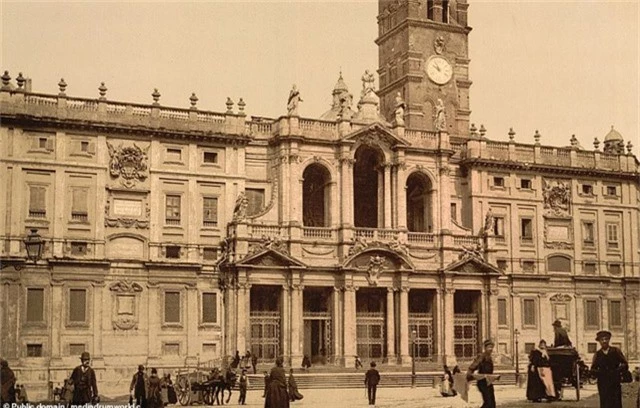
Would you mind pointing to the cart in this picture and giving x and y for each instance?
(565, 367)
(194, 386)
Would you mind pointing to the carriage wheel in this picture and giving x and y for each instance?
(184, 390)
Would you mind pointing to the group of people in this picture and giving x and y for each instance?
(246, 361)
(278, 391)
(151, 391)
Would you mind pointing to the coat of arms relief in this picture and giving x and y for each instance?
(129, 163)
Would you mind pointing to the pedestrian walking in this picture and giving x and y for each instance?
(484, 364)
(371, 380)
(236, 360)
(266, 384)
(139, 388)
(446, 387)
(608, 365)
(244, 384)
(277, 395)
(154, 395)
(8, 379)
(358, 362)
(85, 385)
(306, 362)
(254, 362)
(294, 395)
(540, 378)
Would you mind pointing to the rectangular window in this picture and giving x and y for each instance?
(528, 266)
(37, 202)
(209, 308)
(498, 226)
(84, 147)
(172, 209)
(79, 204)
(76, 349)
(35, 305)
(210, 211)
(615, 313)
(172, 307)
(612, 191)
(530, 317)
(34, 350)
(173, 251)
(502, 312)
(498, 181)
(255, 196)
(589, 268)
(587, 189)
(502, 264)
(210, 254)
(77, 305)
(174, 155)
(78, 248)
(42, 143)
(592, 348)
(454, 211)
(209, 348)
(588, 233)
(614, 269)
(171, 349)
(526, 229)
(525, 184)
(592, 314)
(210, 157)
(612, 236)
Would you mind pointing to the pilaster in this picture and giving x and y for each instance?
(401, 192)
(346, 186)
(439, 326)
(405, 358)
(296, 325)
(336, 317)
(153, 321)
(96, 324)
(57, 320)
(193, 317)
(387, 195)
(286, 323)
(445, 197)
(242, 311)
(391, 324)
(349, 324)
(493, 315)
(449, 333)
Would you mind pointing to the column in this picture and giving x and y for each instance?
(335, 205)
(405, 358)
(401, 195)
(247, 316)
(57, 320)
(445, 198)
(493, 315)
(193, 318)
(391, 325)
(285, 187)
(285, 345)
(387, 195)
(438, 335)
(380, 197)
(336, 325)
(394, 196)
(484, 315)
(295, 193)
(346, 187)
(449, 333)
(242, 311)
(349, 325)
(296, 325)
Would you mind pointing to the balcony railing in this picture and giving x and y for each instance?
(421, 238)
(377, 234)
(318, 233)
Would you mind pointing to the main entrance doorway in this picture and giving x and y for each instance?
(465, 325)
(317, 324)
(265, 322)
(371, 322)
(421, 321)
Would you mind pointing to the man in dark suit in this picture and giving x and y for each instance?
(371, 380)
(85, 389)
(561, 338)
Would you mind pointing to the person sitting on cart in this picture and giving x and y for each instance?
(561, 338)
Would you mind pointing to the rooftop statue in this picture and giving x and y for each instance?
(368, 81)
(440, 122)
(294, 100)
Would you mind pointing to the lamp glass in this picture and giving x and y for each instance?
(33, 244)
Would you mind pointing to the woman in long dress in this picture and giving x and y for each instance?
(446, 387)
(540, 379)
(293, 388)
(277, 395)
(154, 399)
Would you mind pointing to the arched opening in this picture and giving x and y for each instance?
(316, 196)
(419, 211)
(366, 182)
(559, 263)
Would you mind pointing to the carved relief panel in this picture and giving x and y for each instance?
(125, 300)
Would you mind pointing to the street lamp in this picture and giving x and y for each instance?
(34, 244)
(414, 334)
(516, 333)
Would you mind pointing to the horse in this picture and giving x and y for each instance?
(222, 383)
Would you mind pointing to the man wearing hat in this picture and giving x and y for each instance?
(561, 338)
(83, 378)
(371, 380)
(484, 364)
(608, 364)
(139, 387)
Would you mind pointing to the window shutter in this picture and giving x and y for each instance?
(79, 201)
(35, 305)
(50, 144)
(37, 198)
(77, 305)
(92, 148)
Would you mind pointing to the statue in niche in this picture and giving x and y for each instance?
(440, 121)
(399, 110)
(294, 101)
(489, 222)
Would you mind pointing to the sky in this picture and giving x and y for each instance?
(561, 68)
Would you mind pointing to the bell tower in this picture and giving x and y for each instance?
(423, 55)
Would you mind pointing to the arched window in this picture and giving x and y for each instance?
(419, 206)
(316, 196)
(559, 263)
(367, 183)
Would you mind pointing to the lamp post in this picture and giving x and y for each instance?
(34, 244)
(516, 333)
(413, 358)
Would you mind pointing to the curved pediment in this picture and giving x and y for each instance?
(392, 260)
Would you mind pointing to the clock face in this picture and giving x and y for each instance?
(439, 70)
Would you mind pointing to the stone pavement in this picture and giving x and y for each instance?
(507, 396)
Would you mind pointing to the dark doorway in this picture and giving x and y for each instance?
(365, 187)
(315, 196)
(419, 217)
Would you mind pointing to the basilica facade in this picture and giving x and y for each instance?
(388, 227)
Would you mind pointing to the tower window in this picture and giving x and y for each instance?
(430, 9)
(445, 11)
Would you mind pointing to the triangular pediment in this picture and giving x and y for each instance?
(374, 134)
(472, 265)
(270, 257)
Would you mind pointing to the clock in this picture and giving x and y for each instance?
(439, 70)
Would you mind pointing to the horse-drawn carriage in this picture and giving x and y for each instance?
(568, 368)
(206, 383)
